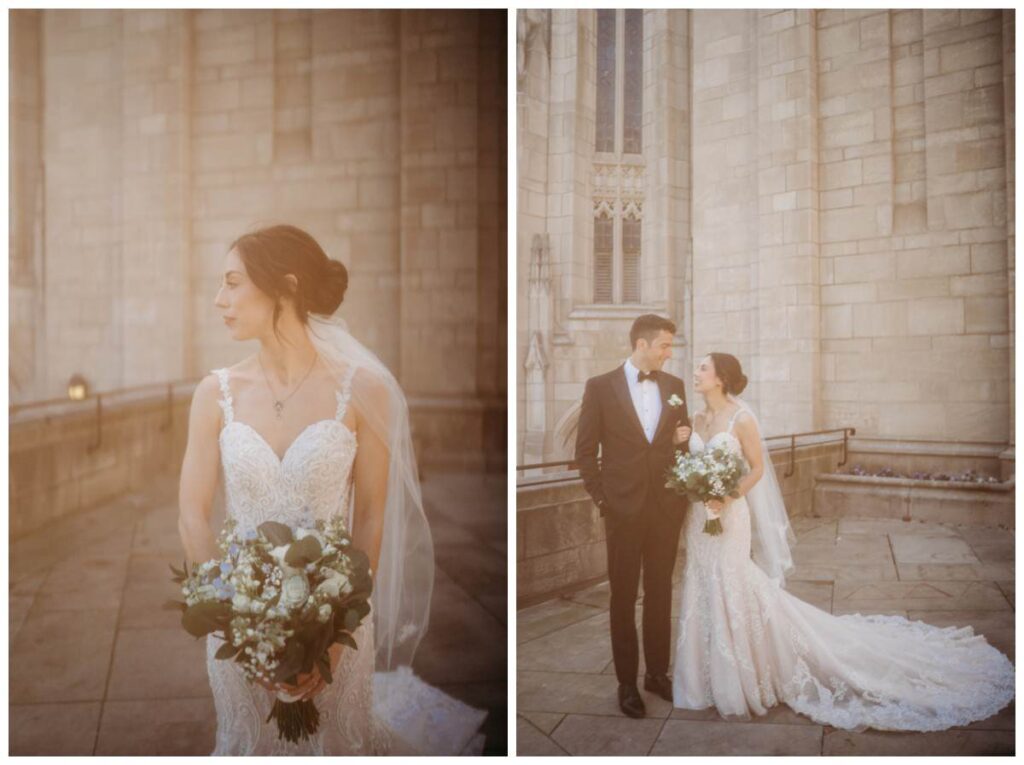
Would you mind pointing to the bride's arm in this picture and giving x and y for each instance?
(199, 473)
(370, 472)
(750, 441)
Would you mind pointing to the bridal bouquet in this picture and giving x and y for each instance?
(279, 598)
(710, 474)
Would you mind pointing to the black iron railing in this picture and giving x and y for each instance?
(570, 465)
(107, 395)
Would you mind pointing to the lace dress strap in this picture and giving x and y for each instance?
(225, 392)
(345, 393)
(733, 419)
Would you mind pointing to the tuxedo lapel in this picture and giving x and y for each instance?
(621, 389)
(668, 413)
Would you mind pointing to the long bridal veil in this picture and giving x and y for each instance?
(424, 719)
(770, 533)
(404, 580)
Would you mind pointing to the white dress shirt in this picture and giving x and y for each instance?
(646, 399)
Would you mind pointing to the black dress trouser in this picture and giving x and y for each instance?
(646, 541)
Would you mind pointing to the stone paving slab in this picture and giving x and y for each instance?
(531, 741)
(545, 722)
(183, 727)
(737, 738)
(550, 616)
(33, 728)
(98, 667)
(951, 743)
(939, 574)
(613, 736)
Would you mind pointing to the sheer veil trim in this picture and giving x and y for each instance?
(403, 582)
(771, 536)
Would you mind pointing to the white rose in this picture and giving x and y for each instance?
(240, 603)
(334, 584)
(294, 590)
(324, 613)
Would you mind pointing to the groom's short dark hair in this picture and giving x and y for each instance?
(648, 326)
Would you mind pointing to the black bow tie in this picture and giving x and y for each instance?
(652, 376)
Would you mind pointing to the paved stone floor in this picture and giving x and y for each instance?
(97, 667)
(942, 575)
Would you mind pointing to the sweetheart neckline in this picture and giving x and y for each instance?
(720, 433)
(281, 460)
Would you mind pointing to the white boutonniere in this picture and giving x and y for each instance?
(674, 401)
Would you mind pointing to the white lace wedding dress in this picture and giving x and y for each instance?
(361, 712)
(745, 644)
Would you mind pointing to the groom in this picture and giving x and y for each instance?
(636, 414)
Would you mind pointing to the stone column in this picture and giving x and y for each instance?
(666, 229)
(535, 365)
(82, 156)
(533, 93)
(785, 277)
(967, 222)
(439, 234)
(26, 336)
(725, 185)
(153, 178)
(1010, 120)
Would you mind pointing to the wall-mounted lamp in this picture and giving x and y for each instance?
(78, 388)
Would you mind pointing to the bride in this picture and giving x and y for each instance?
(311, 425)
(745, 644)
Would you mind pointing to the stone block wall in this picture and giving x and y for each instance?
(166, 134)
(561, 537)
(55, 472)
(840, 214)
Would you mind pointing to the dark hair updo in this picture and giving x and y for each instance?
(729, 371)
(269, 254)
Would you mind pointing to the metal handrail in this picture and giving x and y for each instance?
(847, 432)
(107, 394)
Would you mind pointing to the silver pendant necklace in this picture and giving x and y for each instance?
(279, 403)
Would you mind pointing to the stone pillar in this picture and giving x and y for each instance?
(153, 179)
(26, 337)
(967, 222)
(538, 320)
(533, 83)
(666, 231)
(439, 223)
(492, 212)
(82, 155)
(725, 186)
(1010, 121)
(785, 276)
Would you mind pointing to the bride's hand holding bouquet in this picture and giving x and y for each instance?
(711, 477)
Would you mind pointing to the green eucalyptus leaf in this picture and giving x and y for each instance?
(205, 617)
(276, 533)
(346, 639)
(324, 663)
(304, 551)
(351, 620)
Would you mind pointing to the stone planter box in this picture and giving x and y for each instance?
(837, 495)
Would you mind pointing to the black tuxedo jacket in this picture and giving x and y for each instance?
(632, 471)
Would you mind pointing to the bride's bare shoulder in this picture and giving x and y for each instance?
(745, 423)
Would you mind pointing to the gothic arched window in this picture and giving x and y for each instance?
(618, 171)
(620, 80)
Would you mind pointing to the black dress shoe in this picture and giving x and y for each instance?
(659, 685)
(630, 702)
